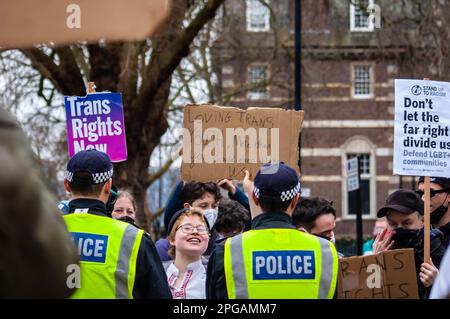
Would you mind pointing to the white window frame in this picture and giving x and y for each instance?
(359, 145)
(353, 28)
(250, 27)
(353, 67)
(253, 94)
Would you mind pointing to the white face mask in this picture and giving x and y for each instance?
(211, 216)
(333, 239)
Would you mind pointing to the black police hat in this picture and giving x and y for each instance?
(96, 163)
(276, 181)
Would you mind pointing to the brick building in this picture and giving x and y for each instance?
(348, 72)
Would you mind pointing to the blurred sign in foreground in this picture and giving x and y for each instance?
(25, 23)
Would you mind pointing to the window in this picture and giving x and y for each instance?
(258, 16)
(359, 17)
(364, 186)
(362, 81)
(359, 145)
(257, 76)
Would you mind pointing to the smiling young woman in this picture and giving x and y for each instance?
(188, 238)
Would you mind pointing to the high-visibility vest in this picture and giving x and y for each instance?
(280, 263)
(108, 251)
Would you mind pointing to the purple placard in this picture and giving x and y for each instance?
(96, 121)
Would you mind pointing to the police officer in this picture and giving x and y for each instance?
(117, 259)
(273, 259)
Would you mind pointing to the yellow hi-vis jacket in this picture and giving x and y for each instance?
(280, 263)
(108, 251)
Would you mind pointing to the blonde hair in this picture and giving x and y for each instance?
(191, 212)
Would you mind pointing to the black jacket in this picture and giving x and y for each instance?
(150, 281)
(445, 229)
(215, 279)
(437, 252)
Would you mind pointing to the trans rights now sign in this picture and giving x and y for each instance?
(96, 121)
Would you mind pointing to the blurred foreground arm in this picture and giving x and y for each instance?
(36, 247)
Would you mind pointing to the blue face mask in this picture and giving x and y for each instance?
(211, 216)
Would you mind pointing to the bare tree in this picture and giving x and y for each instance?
(141, 71)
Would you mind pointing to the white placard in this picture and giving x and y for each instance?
(306, 192)
(422, 128)
(352, 174)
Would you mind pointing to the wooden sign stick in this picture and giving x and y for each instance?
(426, 233)
(91, 87)
(426, 219)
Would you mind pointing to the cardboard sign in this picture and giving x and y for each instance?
(387, 275)
(221, 142)
(96, 121)
(26, 23)
(422, 128)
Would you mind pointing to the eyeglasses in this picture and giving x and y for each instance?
(433, 192)
(189, 229)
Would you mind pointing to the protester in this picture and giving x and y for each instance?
(36, 249)
(203, 196)
(317, 216)
(439, 204)
(273, 237)
(63, 206)
(124, 207)
(231, 219)
(176, 203)
(380, 225)
(188, 238)
(441, 287)
(113, 194)
(404, 214)
(125, 263)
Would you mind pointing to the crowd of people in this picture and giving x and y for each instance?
(263, 241)
(222, 242)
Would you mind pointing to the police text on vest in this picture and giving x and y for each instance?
(283, 264)
(91, 247)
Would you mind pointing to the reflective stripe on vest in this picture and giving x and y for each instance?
(108, 270)
(328, 261)
(122, 269)
(239, 262)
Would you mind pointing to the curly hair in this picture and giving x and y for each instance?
(232, 216)
(195, 190)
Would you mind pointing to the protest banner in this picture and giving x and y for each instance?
(422, 128)
(422, 134)
(96, 121)
(221, 142)
(387, 275)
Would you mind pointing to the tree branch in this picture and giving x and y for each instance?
(61, 76)
(151, 178)
(178, 50)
